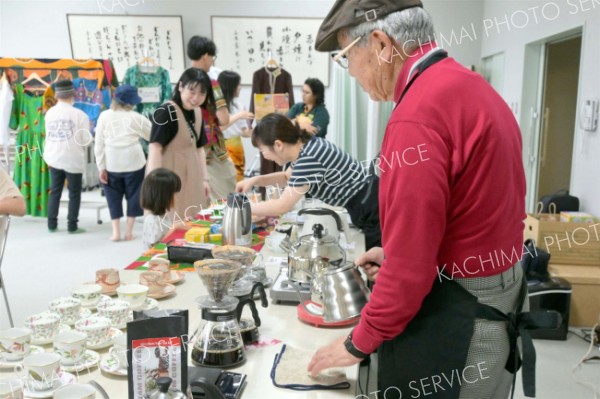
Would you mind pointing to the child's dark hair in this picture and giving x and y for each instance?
(278, 127)
(318, 90)
(191, 78)
(229, 81)
(198, 46)
(158, 190)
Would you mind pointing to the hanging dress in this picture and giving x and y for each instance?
(31, 173)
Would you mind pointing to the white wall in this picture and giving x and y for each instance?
(38, 28)
(553, 18)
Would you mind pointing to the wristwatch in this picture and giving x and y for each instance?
(353, 350)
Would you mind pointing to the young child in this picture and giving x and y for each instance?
(157, 197)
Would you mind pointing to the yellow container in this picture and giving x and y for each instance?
(197, 234)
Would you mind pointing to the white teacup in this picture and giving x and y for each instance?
(68, 308)
(15, 343)
(42, 370)
(75, 391)
(88, 294)
(71, 346)
(135, 294)
(11, 389)
(43, 326)
(116, 310)
(97, 329)
(119, 350)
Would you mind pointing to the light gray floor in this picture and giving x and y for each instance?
(39, 266)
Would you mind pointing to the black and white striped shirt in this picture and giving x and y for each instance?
(334, 176)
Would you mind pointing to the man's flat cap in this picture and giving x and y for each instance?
(347, 13)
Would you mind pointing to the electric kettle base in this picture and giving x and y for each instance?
(318, 321)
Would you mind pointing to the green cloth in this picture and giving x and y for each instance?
(32, 175)
(161, 79)
(318, 115)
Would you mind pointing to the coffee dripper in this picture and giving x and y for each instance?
(218, 342)
(248, 275)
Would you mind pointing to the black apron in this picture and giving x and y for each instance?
(432, 350)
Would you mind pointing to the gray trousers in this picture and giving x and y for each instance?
(484, 375)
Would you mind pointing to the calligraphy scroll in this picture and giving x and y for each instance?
(126, 40)
(246, 44)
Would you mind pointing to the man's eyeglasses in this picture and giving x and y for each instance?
(340, 57)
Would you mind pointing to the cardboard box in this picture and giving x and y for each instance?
(585, 299)
(568, 243)
(197, 234)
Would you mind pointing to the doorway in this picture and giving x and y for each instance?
(548, 112)
(558, 115)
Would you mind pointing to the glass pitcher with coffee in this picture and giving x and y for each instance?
(218, 342)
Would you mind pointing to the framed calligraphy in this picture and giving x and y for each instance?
(128, 39)
(245, 44)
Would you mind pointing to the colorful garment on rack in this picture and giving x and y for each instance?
(90, 99)
(159, 80)
(31, 173)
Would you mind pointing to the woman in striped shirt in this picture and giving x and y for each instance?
(317, 168)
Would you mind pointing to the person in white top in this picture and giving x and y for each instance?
(67, 137)
(120, 157)
(238, 120)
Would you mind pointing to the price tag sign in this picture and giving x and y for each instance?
(149, 94)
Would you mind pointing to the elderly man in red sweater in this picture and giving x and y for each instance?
(451, 211)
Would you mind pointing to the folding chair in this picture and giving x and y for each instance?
(4, 224)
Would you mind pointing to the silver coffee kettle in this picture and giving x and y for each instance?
(314, 253)
(237, 221)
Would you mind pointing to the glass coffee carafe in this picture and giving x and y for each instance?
(218, 342)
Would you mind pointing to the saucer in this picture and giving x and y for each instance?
(92, 307)
(113, 332)
(124, 325)
(61, 328)
(63, 379)
(148, 305)
(175, 277)
(83, 314)
(89, 360)
(8, 364)
(167, 291)
(111, 366)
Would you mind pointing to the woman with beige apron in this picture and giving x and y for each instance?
(177, 143)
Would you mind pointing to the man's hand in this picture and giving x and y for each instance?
(332, 355)
(370, 262)
(103, 176)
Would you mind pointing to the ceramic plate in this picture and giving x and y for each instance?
(176, 277)
(61, 328)
(90, 360)
(113, 332)
(93, 306)
(83, 314)
(9, 364)
(150, 304)
(167, 291)
(111, 366)
(63, 379)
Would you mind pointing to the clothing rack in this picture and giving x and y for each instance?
(40, 74)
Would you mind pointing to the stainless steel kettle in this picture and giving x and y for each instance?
(314, 251)
(237, 221)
